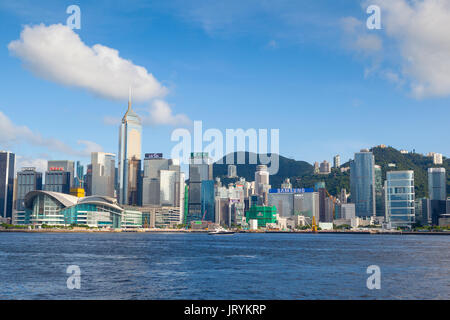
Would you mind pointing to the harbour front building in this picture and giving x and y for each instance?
(59, 209)
(400, 208)
(362, 183)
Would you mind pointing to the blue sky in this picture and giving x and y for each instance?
(308, 68)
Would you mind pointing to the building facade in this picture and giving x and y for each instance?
(28, 179)
(57, 180)
(129, 161)
(400, 199)
(7, 163)
(336, 161)
(200, 181)
(437, 184)
(58, 209)
(362, 183)
(103, 174)
(63, 165)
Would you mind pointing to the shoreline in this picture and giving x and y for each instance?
(205, 232)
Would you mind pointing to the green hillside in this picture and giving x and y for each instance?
(302, 176)
(287, 168)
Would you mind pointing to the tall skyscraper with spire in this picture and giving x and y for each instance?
(130, 137)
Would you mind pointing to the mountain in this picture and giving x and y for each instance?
(287, 168)
(302, 174)
(410, 161)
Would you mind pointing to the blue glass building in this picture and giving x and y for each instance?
(400, 207)
(362, 183)
(7, 162)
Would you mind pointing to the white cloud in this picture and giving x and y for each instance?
(11, 134)
(359, 39)
(417, 38)
(57, 53)
(28, 162)
(159, 112)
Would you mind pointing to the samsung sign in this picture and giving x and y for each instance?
(296, 190)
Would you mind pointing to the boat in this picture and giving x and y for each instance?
(221, 231)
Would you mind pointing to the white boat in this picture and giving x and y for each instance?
(220, 230)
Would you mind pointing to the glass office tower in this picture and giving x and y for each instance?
(28, 179)
(400, 209)
(200, 170)
(7, 162)
(379, 199)
(129, 157)
(437, 184)
(362, 183)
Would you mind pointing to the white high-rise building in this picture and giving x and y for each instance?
(261, 179)
(163, 182)
(437, 157)
(103, 174)
(336, 161)
(129, 161)
(399, 198)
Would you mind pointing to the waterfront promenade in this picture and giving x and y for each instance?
(157, 230)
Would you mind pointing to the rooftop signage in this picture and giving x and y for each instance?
(295, 190)
(153, 156)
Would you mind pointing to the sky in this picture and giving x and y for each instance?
(311, 69)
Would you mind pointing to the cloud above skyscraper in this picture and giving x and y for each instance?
(57, 53)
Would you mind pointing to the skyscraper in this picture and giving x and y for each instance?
(57, 180)
(379, 200)
(400, 207)
(79, 179)
(362, 183)
(129, 157)
(437, 183)
(28, 179)
(63, 165)
(261, 179)
(200, 170)
(7, 163)
(163, 182)
(103, 174)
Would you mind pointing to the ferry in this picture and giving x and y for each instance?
(221, 231)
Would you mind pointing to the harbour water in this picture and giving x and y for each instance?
(241, 266)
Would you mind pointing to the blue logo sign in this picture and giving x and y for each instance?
(295, 190)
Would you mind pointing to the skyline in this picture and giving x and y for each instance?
(199, 63)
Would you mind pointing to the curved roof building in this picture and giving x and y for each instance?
(54, 208)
